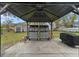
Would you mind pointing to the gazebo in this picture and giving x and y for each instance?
(40, 11)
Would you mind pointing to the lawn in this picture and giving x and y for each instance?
(76, 33)
(11, 37)
(56, 34)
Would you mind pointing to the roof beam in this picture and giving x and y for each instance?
(2, 9)
(75, 8)
(27, 12)
(51, 13)
(75, 12)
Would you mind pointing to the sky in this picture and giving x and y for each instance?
(19, 20)
(14, 19)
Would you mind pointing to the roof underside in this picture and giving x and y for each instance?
(40, 12)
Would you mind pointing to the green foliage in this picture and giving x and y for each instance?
(11, 37)
(72, 18)
(7, 24)
(67, 22)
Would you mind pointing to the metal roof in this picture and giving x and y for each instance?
(40, 11)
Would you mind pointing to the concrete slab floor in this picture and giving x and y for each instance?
(51, 48)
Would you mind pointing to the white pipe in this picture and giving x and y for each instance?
(75, 8)
(2, 9)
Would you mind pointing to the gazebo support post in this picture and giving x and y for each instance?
(51, 30)
(27, 28)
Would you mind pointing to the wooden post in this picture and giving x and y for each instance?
(27, 29)
(51, 30)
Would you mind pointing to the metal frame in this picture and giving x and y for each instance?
(75, 12)
(2, 9)
(75, 9)
(30, 4)
(73, 6)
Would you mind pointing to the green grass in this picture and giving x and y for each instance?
(76, 33)
(11, 37)
(55, 34)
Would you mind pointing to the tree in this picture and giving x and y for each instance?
(68, 20)
(74, 17)
(8, 23)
